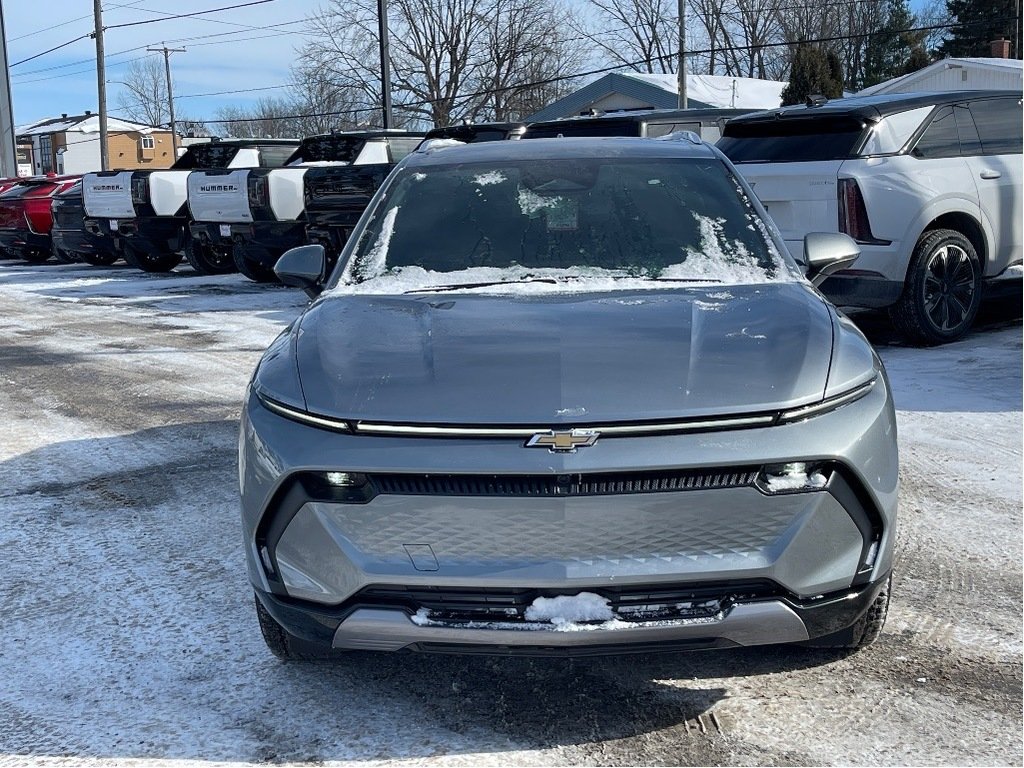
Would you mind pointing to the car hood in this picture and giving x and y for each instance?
(567, 359)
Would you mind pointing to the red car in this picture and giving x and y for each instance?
(26, 219)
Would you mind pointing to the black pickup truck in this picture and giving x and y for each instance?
(145, 212)
(257, 214)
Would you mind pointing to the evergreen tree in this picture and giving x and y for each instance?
(888, 51)
(980, 22)
(812, 72)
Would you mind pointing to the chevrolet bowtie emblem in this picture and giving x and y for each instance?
(563, 442)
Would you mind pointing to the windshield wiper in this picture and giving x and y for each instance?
(457, 286)
(686, 279)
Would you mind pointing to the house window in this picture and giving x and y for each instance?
(45, 154)
(148, 142)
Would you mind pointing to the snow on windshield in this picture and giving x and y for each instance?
(563, 227)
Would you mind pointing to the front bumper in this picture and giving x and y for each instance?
(784, 619)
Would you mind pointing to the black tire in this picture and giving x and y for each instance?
(99, 259)
(943, 289)
(35, 255)
(251, 268)
(865, 630)
(283, 644)
(207, 260)
(150, 262)
(62, 256)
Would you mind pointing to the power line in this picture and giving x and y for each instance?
(51, 50)
(188, 15)
(72, 21)
(599, 71)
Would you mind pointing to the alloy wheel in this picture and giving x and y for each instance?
(949, 285)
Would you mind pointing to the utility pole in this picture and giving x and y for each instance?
(170, 95)
(8, 141)
(101, 84)
(681, 66)
(385, 60)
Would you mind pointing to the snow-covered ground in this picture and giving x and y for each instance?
(129, 634)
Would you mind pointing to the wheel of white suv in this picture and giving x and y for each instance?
(943, 289)
(251, 268)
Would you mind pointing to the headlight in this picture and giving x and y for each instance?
(303, 417)
(837, 401)
(793, 477)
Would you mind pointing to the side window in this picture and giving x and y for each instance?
(275, 155)
(401, 147)
(970, 143)
(654, 130)
(999, 124)
(940, 138)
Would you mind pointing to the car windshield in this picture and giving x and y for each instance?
(561, 221)
(210, 155)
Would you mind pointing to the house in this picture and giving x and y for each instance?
(71, 144)
(633, 90)
(956, 74)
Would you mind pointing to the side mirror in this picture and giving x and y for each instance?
(303, 267)
(826, 253)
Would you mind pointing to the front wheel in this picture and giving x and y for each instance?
(149, 261)
(943, 289)
(865, 630)
(207, 260)
(283, 644)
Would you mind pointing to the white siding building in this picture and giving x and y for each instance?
(966, 74)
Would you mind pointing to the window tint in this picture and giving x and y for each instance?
(275, 155)
(940, 138)
(999, 123)
(970, 143)
(795, 140)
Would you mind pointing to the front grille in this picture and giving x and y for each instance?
(630, 603)
(603, 484)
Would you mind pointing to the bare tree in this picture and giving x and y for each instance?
(143, 98)
(451, 60)
(639, 34)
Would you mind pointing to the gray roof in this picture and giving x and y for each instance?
(613, 82)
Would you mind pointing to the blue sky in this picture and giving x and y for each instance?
(65, 80)
(229, 51)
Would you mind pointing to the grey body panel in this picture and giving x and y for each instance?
(467, 359)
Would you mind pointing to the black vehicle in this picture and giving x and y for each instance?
(254, 215)
(644, 123)
(71, 241)
(475, 132)
(146, 213)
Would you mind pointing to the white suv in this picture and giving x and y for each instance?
(929, 184)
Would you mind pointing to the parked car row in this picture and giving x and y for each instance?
(929, 185)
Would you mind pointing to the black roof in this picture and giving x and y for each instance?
(469, 132)
(373, 133)
(872, 107)
(643, 116)
(558, 149)
(243, 142)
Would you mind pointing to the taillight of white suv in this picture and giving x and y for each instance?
(853, 214)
